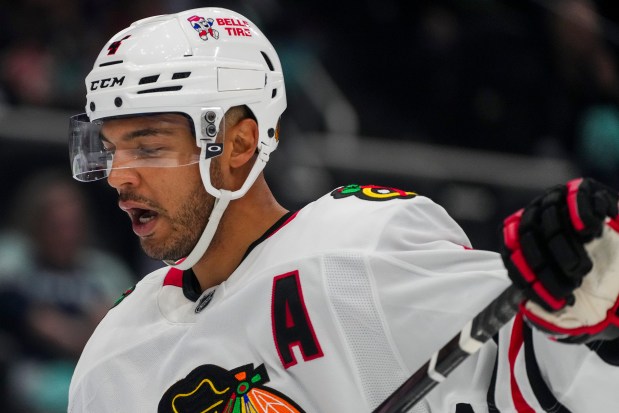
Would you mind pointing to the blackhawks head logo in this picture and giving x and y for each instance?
(371, 192)
(213, 389)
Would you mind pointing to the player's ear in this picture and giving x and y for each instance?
(244, 141)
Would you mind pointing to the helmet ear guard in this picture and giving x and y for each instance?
(211, 124)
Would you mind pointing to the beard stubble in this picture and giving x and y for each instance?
(188, 224)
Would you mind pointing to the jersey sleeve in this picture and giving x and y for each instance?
(429, 282)
(544, 375)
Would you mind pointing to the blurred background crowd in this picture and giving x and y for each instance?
(479, 104)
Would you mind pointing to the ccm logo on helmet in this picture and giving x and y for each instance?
(105, 83)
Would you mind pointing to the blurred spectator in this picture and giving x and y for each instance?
(28, 70)
(54, 289)
(585, 111)
(48, 45)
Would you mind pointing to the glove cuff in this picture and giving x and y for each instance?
(559, 325)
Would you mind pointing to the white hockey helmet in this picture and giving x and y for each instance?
(200, 63)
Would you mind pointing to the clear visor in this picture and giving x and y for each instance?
(148, 141)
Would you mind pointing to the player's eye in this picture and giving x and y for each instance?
(149, 151)
(107, 148)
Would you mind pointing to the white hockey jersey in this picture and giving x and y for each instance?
(330, 311)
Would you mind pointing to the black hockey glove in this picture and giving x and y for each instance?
(562, 250)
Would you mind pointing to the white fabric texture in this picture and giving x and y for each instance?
(381, 285)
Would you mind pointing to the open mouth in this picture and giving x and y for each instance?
(143, 220)
(142, 216)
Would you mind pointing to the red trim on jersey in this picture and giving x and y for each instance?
(290, 218)
(515, 344)
(614, 223)
(174, 277)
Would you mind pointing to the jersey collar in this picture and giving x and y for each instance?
(188, 281)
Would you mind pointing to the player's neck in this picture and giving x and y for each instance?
(244, 221)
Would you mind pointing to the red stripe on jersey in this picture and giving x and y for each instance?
(515, 344)
(290, 218)
(174, 277)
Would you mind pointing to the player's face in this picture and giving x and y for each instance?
(168, 206)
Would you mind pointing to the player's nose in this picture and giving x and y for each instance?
(122, 177)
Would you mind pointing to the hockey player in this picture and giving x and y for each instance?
(326, 309)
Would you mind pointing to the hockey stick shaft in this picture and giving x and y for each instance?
(477, 331)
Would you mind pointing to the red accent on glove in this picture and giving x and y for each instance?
(572, 204)
(611, 319)
(512, 242)
(614, 223)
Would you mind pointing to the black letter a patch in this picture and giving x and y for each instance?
(291, 323)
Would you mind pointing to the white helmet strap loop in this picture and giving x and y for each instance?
(222, 199)
(203, 243)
